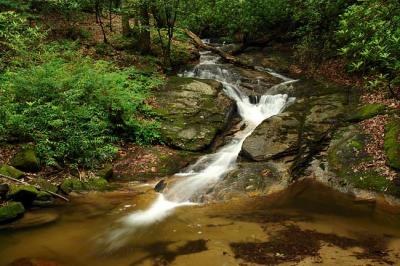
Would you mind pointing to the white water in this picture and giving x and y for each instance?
(209, 169)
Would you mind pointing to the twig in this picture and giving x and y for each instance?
(36, 186)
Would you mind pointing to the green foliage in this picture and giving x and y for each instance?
(314, 24)
(227, 17)
(75, 110)
(369, 37)
(16, 36)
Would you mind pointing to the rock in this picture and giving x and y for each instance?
(392, 143)
(26, 160)
(43, 199)
(32, 219)
(71, 184)
(93, 184)
(11, 211)
(192, 112)
(346, 153)
(11, 171)
(96, 184)
(367, 111)
(107, 172)
(275, 137)
(160, 186)
(143, 163)
(4, 188)
(25, 194)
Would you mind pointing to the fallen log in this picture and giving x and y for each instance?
(36, 186)
(224, 55)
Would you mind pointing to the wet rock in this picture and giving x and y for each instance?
(11, 171)
(26, 160)
(192, 112)
(367, 111)
(273, 138)
(43, 199)
(11, 211)
(250, 178)
(32, 219)
(107, 172)
(347, 153)
(392, 143)
(160, 186)
(4, 188)
(25, 194)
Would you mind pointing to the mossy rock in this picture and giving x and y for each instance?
(392, 143)
(11, 171)
(26, 160)
(367, 111)
(71, 184)
(346, 152)
(43, 199)
(96, 184)
(93, 184)
(25, 194)
(11, 211)
(106, 172)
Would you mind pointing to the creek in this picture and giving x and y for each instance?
(136, 226)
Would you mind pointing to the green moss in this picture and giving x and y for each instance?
(367, 111)
(107, 172)
(46, 185)
(392, 143)
(74, 184)
(25, 194)
(96, 184)
(71, 184)
(356, 145)
(346, 153)
(26, 160)
(11, 211)
(11, 171)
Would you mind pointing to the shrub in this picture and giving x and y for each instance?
(76, 110)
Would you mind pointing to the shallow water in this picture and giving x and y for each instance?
(204, 234)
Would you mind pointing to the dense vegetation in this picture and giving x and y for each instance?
(75, 108)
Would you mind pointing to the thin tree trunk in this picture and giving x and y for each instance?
(98, 14)
(144, 41)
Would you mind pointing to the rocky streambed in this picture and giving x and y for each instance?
(270, 209)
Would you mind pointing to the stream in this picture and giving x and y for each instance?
(305, 224)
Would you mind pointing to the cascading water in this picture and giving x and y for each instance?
(209, 169)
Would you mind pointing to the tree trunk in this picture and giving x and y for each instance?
(126, 28)
(144, 41)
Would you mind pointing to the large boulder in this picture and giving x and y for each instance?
(273, 138)
(26, 160)
(296, 135)
(192, 112)
(11, 211)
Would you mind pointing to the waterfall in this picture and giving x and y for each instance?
(209, 169)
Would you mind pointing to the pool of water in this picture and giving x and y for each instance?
(306, 224)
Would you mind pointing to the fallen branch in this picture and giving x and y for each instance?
(36, 186)
(225, 56)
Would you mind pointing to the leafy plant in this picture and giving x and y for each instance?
(75, 111)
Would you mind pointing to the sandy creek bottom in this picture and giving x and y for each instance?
(306, 224)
